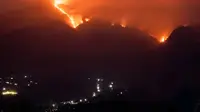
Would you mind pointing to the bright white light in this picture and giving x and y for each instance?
(85, 99)
(110, 86)
(94, 94)
(98, 80)
(15, 84)
(87, 19)
(121, 93)
(36, 83)
(61, 1)
(7, 82)
(98, 86)
(53, 105)
(11, 78)
(81, 100)
(25, 76)
(73, 103)
(4, 89)
(31, 81)
(28, 84)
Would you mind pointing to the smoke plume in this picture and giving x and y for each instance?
(158, 17)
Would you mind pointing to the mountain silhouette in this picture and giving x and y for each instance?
(184, 36)
(180, 61)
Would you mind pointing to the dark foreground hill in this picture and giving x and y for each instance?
(180, 62)
(54, 51)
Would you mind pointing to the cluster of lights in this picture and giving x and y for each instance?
(10, 81)
(54, 108)
(30, 82)
(72, 102)
(99, 83)
(111, 85)
(11, 84)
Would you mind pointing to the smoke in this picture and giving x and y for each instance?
(158, 17)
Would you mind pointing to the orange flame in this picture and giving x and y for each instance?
(163, 39)
(87, 19)
(74, 20)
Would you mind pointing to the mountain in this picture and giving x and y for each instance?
(184, 36)
(180, 61)
(53, 51)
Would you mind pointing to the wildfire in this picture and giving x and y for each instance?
(75, 20)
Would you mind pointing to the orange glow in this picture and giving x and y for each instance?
(163, 39)
(123, 23)
(113, 24)
(75, 20)
(87, 19)
(131, 13)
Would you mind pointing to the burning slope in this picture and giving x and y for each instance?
(156, 17)
(74, 21)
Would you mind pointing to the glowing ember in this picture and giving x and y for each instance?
(123, 23)
(163, 38)
(87, 19)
